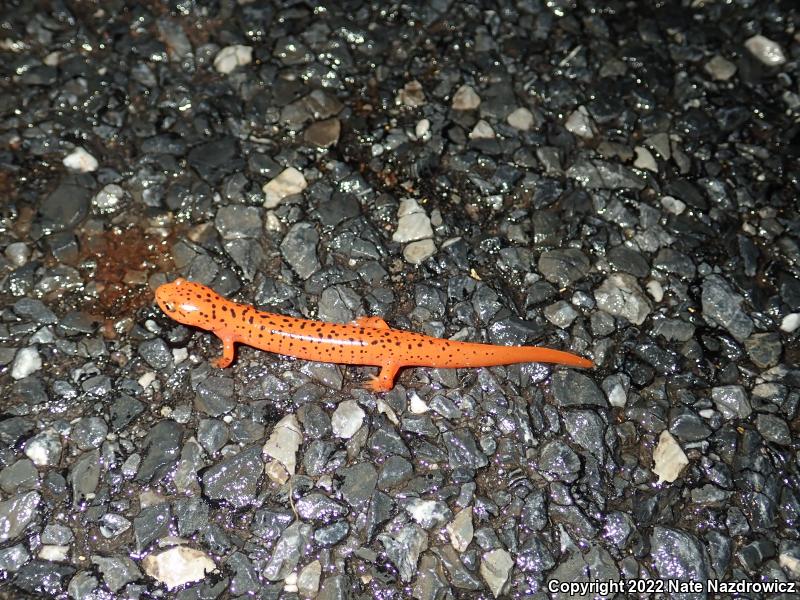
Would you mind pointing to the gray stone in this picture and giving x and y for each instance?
(428, 513)
(20, 476)
(151, 524)
(558, 462)
(89, 433)
(84, 476)
(117, 571)
(12, 558)
(721, 306)
(237, 221)
(731, 401)
(16, 513)
(602, 175)
(215, 396)
(621, 296)
(628, 260)
(679, 555)
(571, 388)
(318, 507)
(561, 314)
(65, 207)
(564, 266)
(395, 471)
(162, 445)
(290, 547)
(587, 429)
(404, 547)
(774, 429)
(299, 249)
(155, 353)
(235, 479)
(43, 578)
(764, 349)
(462, 450)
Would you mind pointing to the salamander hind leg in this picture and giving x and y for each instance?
(383, 381)
(374, 322)
(226, 359)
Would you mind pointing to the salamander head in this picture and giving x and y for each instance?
(188, 302)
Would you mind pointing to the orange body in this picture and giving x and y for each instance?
(369, 341)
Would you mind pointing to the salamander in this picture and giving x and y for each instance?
(367, 341)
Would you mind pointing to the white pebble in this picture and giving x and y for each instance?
(496, 566)
(308, 579)
(231, 57)
(108, 199)
(289, 182)
(521, 119)
(347, 419)
(465, 98)
(284, 442)
(481, 131)
(655, 290)
(54, 553)
(18, 253)
(766, 50)
(44, 449)
(461, 530)
(644, 159)
(669, 458)
(290, 583)
(580, 123)
(412, 95)
(790, 563)
(720, 68)
(673, 205)
(417, 253)
(417, 405)
(178, 566)
(423, 129)
(80, 160)
(412, 222)
(26, 362)
(790, 322)
(146, 379)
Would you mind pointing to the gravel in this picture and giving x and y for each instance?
(620, 184)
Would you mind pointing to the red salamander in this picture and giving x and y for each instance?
(368, 341)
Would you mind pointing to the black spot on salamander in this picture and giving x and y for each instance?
(251, 319)
(223, 308)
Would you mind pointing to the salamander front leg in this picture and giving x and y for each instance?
(374, 322)
(226, 359)
(384, 381)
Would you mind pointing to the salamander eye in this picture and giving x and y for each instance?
(169, 306)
